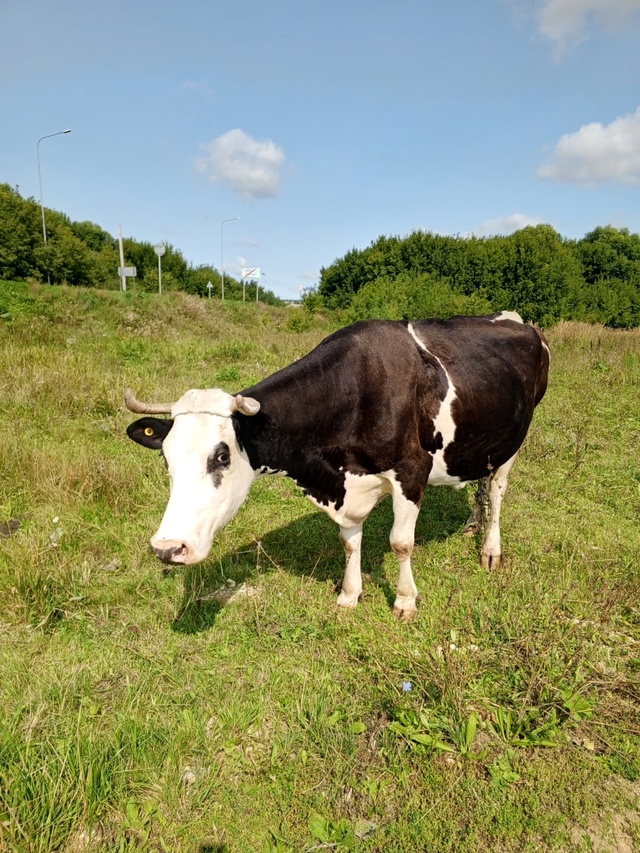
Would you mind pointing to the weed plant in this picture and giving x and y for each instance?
(230, 705)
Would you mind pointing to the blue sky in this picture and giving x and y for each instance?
(322, 125)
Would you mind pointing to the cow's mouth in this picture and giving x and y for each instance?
(172, 552)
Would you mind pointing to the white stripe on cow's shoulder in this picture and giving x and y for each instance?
(443, 423)
(508, 315)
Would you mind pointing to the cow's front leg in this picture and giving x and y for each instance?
(351, 539)
(491, 553)
(405, 515)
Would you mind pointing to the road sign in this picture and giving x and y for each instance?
(129, 272)
(159, 249)
(250, 273)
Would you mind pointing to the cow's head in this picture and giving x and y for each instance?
(209, 470)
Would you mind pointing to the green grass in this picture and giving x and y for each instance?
(230, 706)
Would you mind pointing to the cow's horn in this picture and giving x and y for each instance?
(145, 408)
(246, 405)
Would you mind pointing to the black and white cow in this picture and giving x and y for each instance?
(378, 408)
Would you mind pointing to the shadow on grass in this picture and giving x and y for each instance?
(309, 547)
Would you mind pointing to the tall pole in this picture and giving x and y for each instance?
(233, 219)
(123, 279)
(44, 224)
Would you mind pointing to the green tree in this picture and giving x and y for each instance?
(197, 279)
(93, 236)
(610, 253)
(411, 297)
(342, 279)
(20, 233)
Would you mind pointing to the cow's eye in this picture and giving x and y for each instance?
(218, 460)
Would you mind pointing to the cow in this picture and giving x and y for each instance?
(379, 408)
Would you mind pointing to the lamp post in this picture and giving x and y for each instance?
(44, 225)
(233, 219)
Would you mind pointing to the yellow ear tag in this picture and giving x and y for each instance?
(148, 431)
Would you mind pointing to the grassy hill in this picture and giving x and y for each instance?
(230, 706)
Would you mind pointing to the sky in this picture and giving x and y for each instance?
(322, 125)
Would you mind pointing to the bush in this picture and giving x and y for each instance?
(411, 297)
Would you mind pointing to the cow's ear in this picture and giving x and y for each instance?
(149, 432)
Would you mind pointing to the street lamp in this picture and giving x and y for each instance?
(44, 226)
(233, 219)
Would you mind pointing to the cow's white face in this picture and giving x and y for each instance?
(210, 474)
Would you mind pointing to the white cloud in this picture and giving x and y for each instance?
(596, 153)
(567, 22)
(506, 224)
(239, 264)
(250, 167)
(200, 88)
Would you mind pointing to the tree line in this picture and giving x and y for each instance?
(84, 254)
(535, 271)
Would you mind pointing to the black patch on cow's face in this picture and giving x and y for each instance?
(218, 462)
(149, 432)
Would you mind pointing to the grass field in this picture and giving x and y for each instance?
(230, 706)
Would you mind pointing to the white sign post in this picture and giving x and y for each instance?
(159, 249)
(209, 288)
(125, 273)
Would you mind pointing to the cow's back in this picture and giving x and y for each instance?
(371, 395)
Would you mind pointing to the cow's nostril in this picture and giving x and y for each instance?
(171, 552)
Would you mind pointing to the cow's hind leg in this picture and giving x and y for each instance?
(405, 515)
(497, 489)
(351, 539)
(480, 512)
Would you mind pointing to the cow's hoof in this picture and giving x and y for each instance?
(404, 607)
(471, 528)
(406, 614)
(490, 561)
(350, 602)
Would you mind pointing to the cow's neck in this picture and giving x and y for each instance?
(267, 443)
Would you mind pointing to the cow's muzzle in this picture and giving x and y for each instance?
(171, 551)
